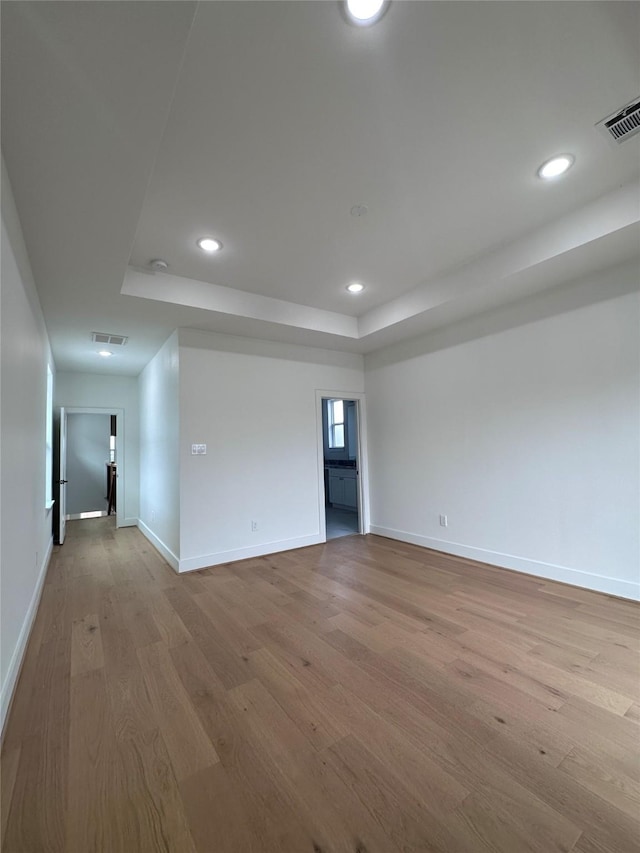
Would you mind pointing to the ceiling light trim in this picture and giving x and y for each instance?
(555, 167)
(210, 245)
(364, 13)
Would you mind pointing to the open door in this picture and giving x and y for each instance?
(62, 478)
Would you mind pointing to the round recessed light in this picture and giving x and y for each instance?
(365, 12)
(355, 287)
(209, 244)
(105, 353)
(556, 166)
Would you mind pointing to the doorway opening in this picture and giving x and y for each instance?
(341, 468)
(88, 466)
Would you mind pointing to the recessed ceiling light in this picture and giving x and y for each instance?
(355, 287)
(365, 12)
(209, 244)
(556, 166)
(105, 353)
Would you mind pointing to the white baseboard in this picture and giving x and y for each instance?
(547, 571)
(192, 564)
(13, 672)
(159, 545)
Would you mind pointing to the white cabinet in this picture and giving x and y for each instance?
(343, 487)
(336, 488)
(350, 492)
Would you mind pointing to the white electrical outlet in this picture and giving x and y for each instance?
(254, 526)
(198, 449)
(153, 515)
(444, 521)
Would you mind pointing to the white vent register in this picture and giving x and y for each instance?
(112, 340)
(622, 124)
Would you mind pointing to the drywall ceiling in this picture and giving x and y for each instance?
(131, 129)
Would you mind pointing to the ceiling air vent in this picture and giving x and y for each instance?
(623, 124)
(112, 340)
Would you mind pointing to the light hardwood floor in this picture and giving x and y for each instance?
(363, 696)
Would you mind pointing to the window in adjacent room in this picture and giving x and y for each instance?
(335, 410)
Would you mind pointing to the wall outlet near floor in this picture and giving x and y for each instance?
(153, 515)
(254, 526)
(444, 521)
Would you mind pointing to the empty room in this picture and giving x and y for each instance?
(320, 426)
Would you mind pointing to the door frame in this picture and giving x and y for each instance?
(60, 466)
(362, 466)
(121, 475)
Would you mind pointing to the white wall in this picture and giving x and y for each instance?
(26, 540)
(254, 405)
(87, 455)
(160, 509)
(99, 391)
(528, 440)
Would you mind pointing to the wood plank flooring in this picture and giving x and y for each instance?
(362, 696)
